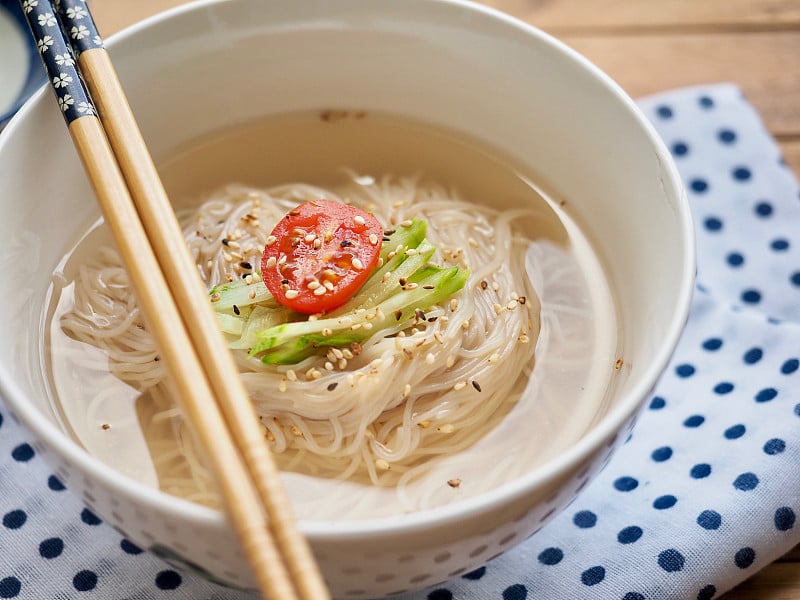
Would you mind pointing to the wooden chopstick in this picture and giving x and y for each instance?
(114, 142)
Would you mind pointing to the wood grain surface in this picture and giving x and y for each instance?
(649, 46)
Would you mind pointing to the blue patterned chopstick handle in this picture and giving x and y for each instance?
(59, 60)
(78, 24)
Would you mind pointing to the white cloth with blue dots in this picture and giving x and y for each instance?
(703, 494)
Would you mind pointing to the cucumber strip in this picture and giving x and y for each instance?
(260, 318)
(225, 296)
(356, 327)
(230, 324)
(381, 289)
(408, 236)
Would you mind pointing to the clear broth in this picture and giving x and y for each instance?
(566, 394)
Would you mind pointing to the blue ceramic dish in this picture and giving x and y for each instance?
(21, 69)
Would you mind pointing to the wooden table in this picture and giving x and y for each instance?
(649, 46)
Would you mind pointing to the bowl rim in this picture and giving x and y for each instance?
(321, 530)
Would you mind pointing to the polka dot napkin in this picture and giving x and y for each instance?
(702, 495)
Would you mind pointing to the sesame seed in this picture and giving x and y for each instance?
(359, 219)
(427, 287)
(453, 304)
(355, 326)
(406, 223)
(497, 308)
(291, 294)
(465, 325)
(512, 305)
(454, 483)
(326, 332)
(447, 428)
(319, 290)
(248, 280)
(382, 464)
(430, 358)
(312, 285)
(495, 286)
(451, 360)
(282, 385)
(367, 325)
(317, 244)
(328, 285)
(373, 239)
(296, 431)
(270, 240)
(424, 424)
(291, 375)
(438, 337)
(216, 296)
(252, 294)
(351, 380)
(460, 385)
(282, 259)
(357, 264)
(618, 364)
(227, 256)
(523, 339)
(342, 364)
(337, 352)
(386, 276)
(347, 353)
(310, 237)
(106, 426)
(472, 242)
(328, 366)
(411, 252)
(210, 264)
(494, 358)
(406, 390)
(410, 286)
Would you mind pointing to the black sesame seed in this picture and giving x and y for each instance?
(402, 281)
(476, 385)
(346, 243)
(397, 314)
(332, 386)
(427, 287)
(284, 282)
(225, 241)
(246, 265)
(236, 310)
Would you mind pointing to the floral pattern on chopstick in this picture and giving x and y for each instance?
(53, 26)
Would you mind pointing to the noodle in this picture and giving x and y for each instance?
(378, 412)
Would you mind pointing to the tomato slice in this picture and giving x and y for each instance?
(319, 254)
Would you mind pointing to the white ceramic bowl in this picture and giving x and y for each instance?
(456, 64)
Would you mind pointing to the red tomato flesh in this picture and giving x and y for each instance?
(319, 254)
